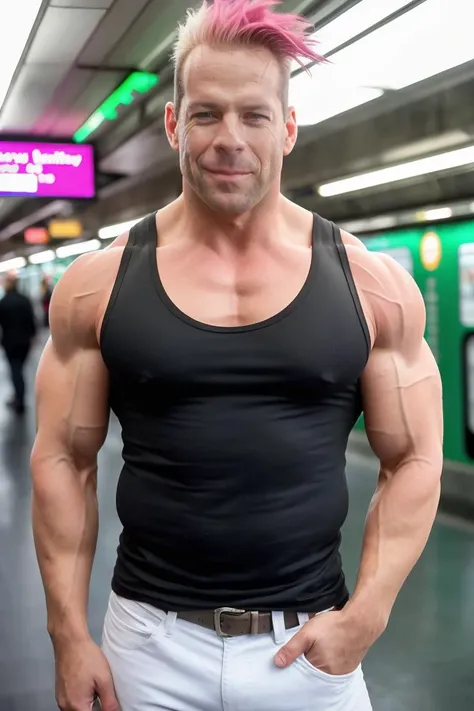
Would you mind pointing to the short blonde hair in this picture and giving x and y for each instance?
(251, 23)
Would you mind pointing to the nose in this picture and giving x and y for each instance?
(229, 137)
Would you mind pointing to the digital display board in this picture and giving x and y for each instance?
(46, 170)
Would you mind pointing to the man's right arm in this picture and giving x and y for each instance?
(72, 421)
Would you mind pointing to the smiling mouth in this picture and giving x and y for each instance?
(228, 173)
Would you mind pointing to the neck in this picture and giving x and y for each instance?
(259, 225)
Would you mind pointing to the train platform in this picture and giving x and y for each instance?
(424, 662)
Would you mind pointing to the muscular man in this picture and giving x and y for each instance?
(237, 337)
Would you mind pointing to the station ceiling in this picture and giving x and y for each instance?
(383, 108)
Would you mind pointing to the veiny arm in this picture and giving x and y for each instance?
(72, 421)
(402, 400)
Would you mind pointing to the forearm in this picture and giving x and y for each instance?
(398, 525)
(65, 527)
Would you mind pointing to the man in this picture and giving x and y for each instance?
(18, 325)
(236, 336)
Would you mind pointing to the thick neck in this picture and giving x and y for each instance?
(238, 232)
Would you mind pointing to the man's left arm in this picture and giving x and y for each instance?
(403, 413)
(402, 400)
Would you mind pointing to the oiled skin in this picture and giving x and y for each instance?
(226, 285)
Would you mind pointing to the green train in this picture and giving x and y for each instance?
(441, 260)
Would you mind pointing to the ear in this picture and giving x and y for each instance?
(171, 126)
(291, 131)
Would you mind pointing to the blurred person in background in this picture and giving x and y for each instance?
(46, 293)
(18, 324)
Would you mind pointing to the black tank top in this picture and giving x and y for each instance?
(233, 490)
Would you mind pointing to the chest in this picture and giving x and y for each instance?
(236, 290)
(181, 330)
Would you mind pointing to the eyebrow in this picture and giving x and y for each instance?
(209, 105)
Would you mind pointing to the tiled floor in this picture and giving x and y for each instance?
(424, 662)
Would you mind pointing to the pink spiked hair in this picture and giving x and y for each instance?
(245, 22)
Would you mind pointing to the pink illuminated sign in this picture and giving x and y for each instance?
(46, 170)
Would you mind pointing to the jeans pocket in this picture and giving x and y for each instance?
(306, 665)
(129, 625)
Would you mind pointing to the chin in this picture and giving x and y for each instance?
(228, 204)
(234, 209)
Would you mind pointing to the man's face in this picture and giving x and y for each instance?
(231, 132)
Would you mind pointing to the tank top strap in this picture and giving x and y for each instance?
(323, 232)
(341, 252)
(144, 232)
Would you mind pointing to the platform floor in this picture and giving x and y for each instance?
(424, 662)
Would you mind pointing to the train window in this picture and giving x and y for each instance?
(402, 255)
(466, 284)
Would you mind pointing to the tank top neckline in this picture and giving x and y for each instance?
(152, 245)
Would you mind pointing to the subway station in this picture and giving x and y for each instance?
(184, 489)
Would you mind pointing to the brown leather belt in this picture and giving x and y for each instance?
(230, 622)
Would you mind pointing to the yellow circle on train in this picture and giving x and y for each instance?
(430, 251)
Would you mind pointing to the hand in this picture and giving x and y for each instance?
(332, 642)
(82, 674)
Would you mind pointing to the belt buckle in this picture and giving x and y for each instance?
(217, 618)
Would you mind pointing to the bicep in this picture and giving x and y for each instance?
(71, 405)
(402, 402)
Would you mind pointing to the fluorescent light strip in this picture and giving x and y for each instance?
(404, 171)
(353, 22)
(12, 264)
(41, 257)
(439, 213)
(125, 95)
(432, 38)
(382, 61)
(327, 96)
(332, 91)
(71, 250)
(17, 24)
(116, 230)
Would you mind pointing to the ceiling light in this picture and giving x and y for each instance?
(71, 250)
(12, 264)
(47, 255)
(116, 230)
(432, 144)
(440, 213)
(353, 22)
(17, 24)
(433, 37)
(423, 166)
(317, 98)
(137, 83)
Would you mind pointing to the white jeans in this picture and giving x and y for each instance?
(161, 663)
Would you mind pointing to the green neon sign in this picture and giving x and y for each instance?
(124, 95)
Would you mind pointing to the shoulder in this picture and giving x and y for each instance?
(391, 299)
(81, 295)
(88, 275)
